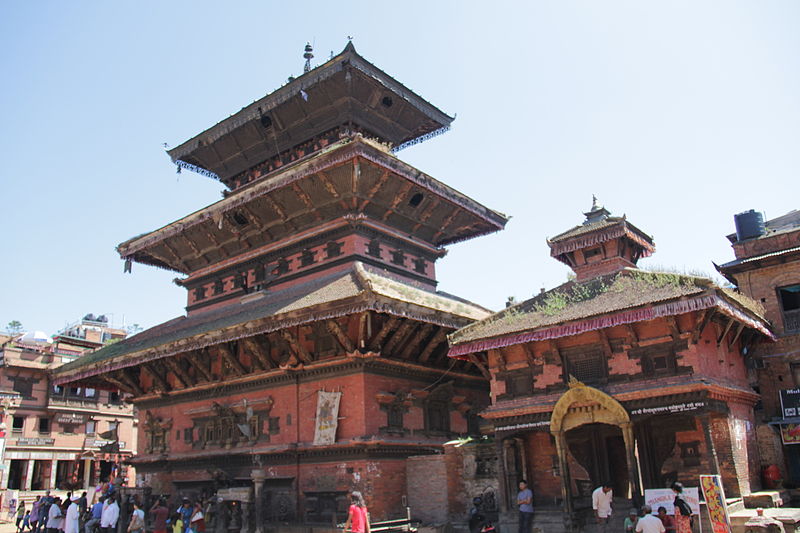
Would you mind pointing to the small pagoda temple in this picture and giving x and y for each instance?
(312, 360)
(619, 375)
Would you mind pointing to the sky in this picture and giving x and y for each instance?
(678, 114)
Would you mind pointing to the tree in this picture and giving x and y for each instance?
(134, 329)
(14, 327)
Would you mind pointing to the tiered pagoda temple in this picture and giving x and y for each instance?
(312, 360)
(620, 375)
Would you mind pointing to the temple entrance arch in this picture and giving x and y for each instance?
(596, 430)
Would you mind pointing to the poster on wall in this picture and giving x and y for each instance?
(715, 503)
(790, 403)
(790, 433)
(656, 498)
(327, 417)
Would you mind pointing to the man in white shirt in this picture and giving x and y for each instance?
(54, 517)
(72, 520)
(108, 520)
(649, 523)
(601, 505)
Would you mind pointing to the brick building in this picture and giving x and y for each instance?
(621, 374)
(767, 268)
(53, 432)
(312, 358)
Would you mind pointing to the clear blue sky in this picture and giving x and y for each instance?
(678, 114)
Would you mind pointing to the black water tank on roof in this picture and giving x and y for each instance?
(749, 224)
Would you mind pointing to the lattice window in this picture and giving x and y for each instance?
(199, 293)
(308, 257)
(587, 366)
(437, 416)
(283, 266)
(394, 416)
(420, 265)
(399, 258)
(333, 249)
(374, 248)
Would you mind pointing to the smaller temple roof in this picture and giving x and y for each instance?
(630, 296)
(359, 288)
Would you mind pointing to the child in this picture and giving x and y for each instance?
(177, 523)
(26, 522)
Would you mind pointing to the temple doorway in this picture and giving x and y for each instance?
(600, 450)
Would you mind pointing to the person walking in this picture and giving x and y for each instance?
(20, 513)
(35, 512)
(649, 523)
(109, 516)
(54, 517)
(97, 514)
(683, 513)
(160, 514)
(136, 525)
(357, 515)
(525, 504)
(73, 516)
(602, 497)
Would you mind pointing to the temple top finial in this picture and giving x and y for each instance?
(597, 212)
(308, 55)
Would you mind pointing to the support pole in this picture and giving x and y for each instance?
(258, 476)
(633, 471)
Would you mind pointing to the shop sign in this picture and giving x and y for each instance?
(525, 425)
(97, 443)
(715, 503)
(35, 441)
(656, 498)
(790, 403)
(235, 494)
(70, 418)
(669, 409)
(790, 433)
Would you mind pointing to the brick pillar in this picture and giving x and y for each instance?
(87, 473)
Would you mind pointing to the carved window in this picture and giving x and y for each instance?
(518, 383)
(308, 257)
(420, 265)
(240, 281)
(219, 287)
(394, 416)
(789, 298)
(437, 416)
(656, 360)
(399, 258)
(283, 266)
(199, 293)
(333, 249)
(23, 386)
(374, 248)
(587, 365)
(188, 434)
(274, 425)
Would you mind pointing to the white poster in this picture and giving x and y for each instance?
(327, 417)
(656, 498)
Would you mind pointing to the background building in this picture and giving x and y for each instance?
(53, 433)
(767, 268)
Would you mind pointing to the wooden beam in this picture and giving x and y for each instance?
(725, 331)
(423, 218)
(529, 356)
(674, 331)
(295, 346)
(363, 326)
(198, 365)
(735, 338)
(259, 349)
(606, 345)
(477, 362)
(306, 199)
(194, 248)
(177, 372)
(341, 337)
(118, 384)
(705, 318)
(633, 335)
(398, 198)
(226, 353)
(420, 336)
(400, 335)
(446, 224)
(501, 359)
(388, 326)
(375, 188)
(437, 339)
(123, 376)
(326, 182)
(160, 381)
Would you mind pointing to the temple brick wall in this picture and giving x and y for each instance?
(428, 488)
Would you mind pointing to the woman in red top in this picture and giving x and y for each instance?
(357, 516)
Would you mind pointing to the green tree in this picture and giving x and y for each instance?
(14, 327)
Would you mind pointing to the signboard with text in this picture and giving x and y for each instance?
(790, 403)
(656, 498)
(70, 418)
(35, 441)
(715, 503)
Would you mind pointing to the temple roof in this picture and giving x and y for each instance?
(359, 288)
(351, 172)
(347, 89)
(595, 232)
(630, 296)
